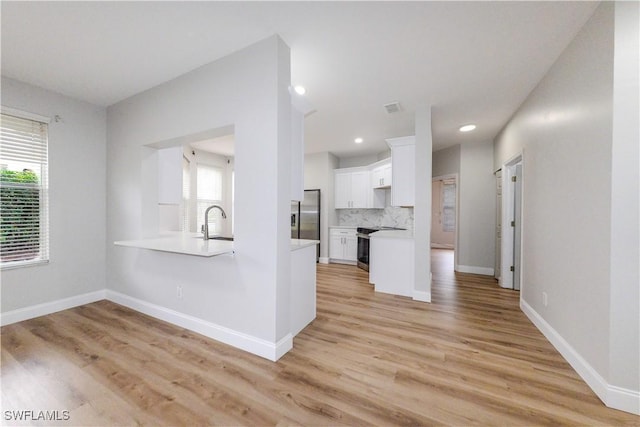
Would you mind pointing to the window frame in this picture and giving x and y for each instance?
(448, 210)
(44, 255)
(215, 216)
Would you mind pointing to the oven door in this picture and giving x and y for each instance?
(363, 251)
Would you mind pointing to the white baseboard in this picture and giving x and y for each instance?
(43, 309)
(323, 260)
(263, 348)
(485, 271)
(612, 396)
(342, 261)
(441, 246)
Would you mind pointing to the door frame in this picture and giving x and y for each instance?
(508, 232)
(456, 178)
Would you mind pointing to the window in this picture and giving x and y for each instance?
(24, 222)
(209, 192)
(449, 206)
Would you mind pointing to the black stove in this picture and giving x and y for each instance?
(363, 243)
(369, 230)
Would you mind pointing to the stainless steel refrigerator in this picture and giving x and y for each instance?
(305, 218)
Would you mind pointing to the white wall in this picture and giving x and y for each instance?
(422, 208)
(243, 296)
(564, 130)
(477, 209)
(624, 305)
(475, 241)
(77, 181)
(446, 161)
(352, 162)
(318, 174)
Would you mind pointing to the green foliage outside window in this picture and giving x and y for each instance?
(19, 215)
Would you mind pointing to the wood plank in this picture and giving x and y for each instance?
(471, 357)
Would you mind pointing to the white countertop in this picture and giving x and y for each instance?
(302, 243)
(194, 244)
(392, 234)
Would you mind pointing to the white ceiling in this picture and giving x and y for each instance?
(223, 145)
(473, 61)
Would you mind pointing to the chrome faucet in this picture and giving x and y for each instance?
(205, 226)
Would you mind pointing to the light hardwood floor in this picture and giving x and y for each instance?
(470, 357)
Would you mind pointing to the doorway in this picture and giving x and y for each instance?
(444, 212)
(509, 230)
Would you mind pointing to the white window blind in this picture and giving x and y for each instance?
(24, 219)
(185, 222)
(449, 207)
(209, 192)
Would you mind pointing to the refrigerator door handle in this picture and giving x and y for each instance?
(293, 220)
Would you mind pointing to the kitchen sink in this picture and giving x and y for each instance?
(229, 239)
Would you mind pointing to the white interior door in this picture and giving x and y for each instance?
(511, 224)
(517, 229)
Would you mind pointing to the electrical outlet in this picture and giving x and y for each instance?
(545, 300)
(179, 292)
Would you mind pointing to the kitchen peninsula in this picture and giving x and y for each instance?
(391, 268)
(194, 244)
(242, 293)
(220, 270)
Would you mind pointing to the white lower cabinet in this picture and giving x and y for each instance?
(391, 263)
(343, 245)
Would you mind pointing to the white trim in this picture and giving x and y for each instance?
(323, 260)
(24, 114)
(485, 271)
(43, 309)
(342, 261)
(623, 399)
(22, 264)
(263, 348)
(612, 396)
(423, 296)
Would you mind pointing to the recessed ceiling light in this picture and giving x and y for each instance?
(358, 140)
(300, 90)
(467, 128)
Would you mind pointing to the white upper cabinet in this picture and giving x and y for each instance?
(403, 167)
(342, 189)
(352, 189)
(381, 174)
(360, 189)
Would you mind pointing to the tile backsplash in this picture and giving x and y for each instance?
(387, 217)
